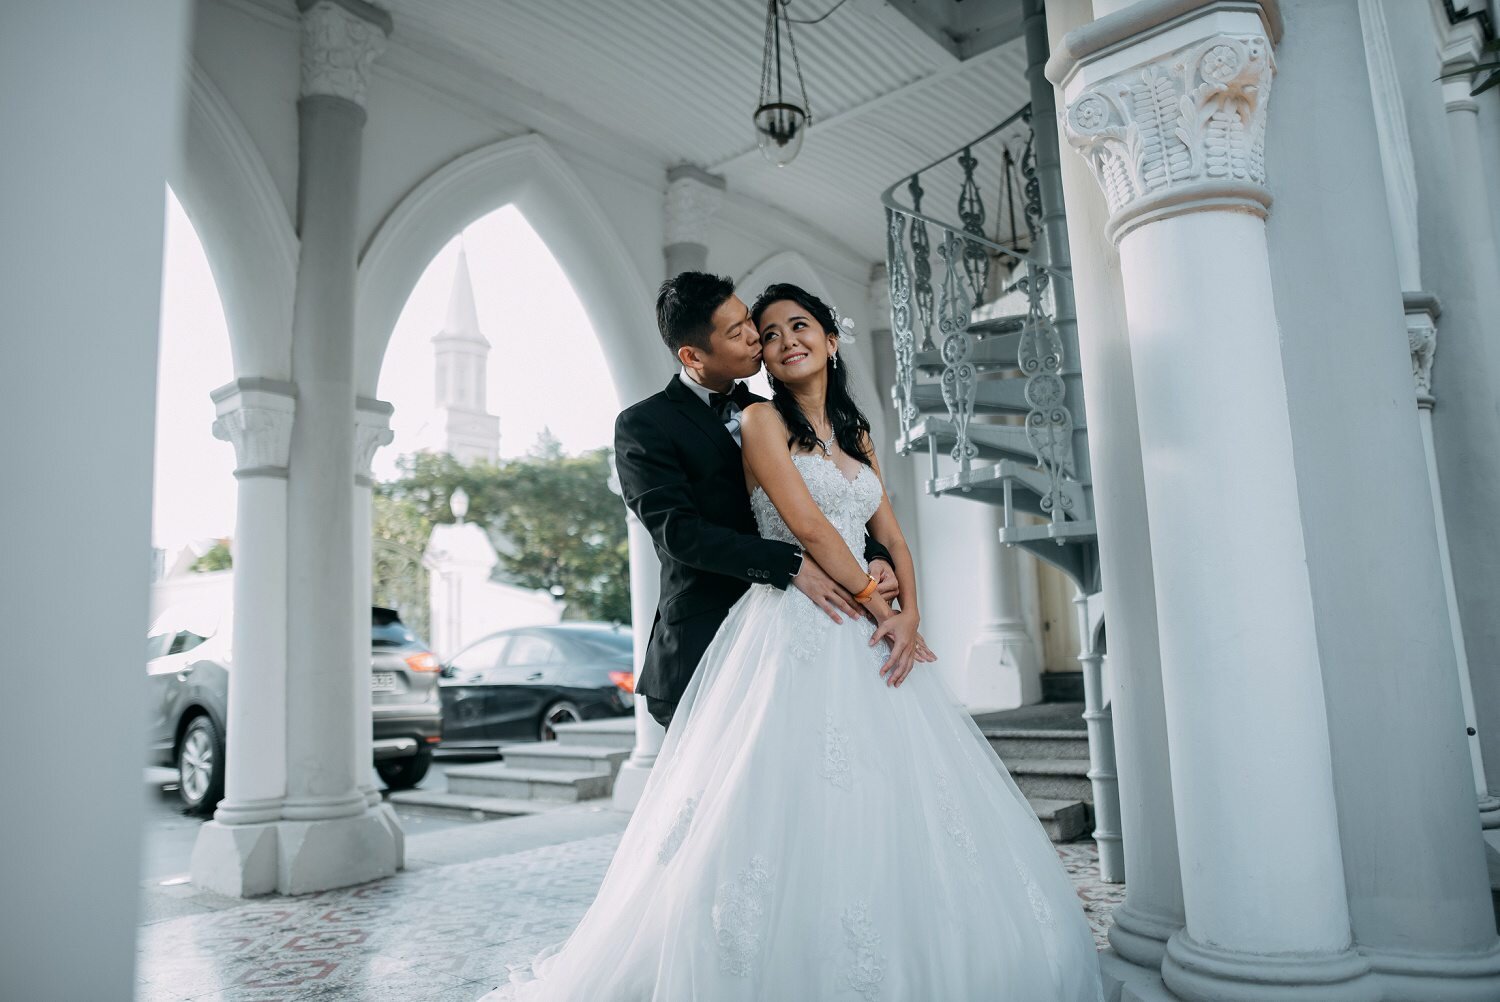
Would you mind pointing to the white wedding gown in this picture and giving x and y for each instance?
(810, 833)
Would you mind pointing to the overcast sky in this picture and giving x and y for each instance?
(545, 366)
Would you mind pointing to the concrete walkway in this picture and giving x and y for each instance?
(471, 902)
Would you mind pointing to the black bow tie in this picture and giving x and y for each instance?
(739, 395)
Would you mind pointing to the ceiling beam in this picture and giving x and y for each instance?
(908, 19)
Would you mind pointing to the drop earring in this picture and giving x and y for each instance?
(835, 360)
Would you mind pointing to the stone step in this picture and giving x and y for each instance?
(449, 804)
(610, 732)
(1063, 820)
(501, 779)
(554, 755)
(1052, 778)
(1029, 743)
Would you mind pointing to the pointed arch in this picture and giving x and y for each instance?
(246, 230)
(528, 173)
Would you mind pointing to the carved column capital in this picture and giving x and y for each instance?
(372, 429)
(255, 416)
(1176, 121)
(693, 198)
(340, 41)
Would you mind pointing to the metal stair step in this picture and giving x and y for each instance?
(994, 441)
(1029, 484)
(501, 779)
(611, 732)
(991, 396)
(565, 757)
(996, 352)
(1063, 820)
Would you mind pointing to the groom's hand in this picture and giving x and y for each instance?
(885, 579)
(826, 593)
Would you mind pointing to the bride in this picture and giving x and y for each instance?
(823, 822)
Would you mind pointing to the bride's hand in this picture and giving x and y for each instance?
(899, 629)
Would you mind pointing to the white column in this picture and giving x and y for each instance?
(1472, 171)
(372, 429)
(328, 835)
(1002, 670)
(1170, 114)
(693, 197)
(1152, 910)
(256, 416)
(645, 589)
(90, 120)
(1398, 166)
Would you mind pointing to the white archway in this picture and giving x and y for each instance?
(246, 231)
(527, 173)
(790, 266)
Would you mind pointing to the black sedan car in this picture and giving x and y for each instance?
(188, 658)
(516, 685)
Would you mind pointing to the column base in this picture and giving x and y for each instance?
(1489, 812)
(630, 783)
(1140, 938)
(1199, 973)
(1434, 977)
(1001, 673)
(296, 857)
(1127, 982)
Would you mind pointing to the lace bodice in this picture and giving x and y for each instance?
(848, 504)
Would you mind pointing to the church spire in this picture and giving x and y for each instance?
(463, 317)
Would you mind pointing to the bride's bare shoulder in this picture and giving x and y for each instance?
(761, 417)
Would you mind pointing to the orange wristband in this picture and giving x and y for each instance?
(867, 591)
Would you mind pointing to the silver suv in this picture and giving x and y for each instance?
(187, 666)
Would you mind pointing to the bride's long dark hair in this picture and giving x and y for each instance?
(849, 423)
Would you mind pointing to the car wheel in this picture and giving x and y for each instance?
(404, 773)
(200, 766)
(561, 712)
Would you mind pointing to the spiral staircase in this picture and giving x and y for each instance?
(987, 383)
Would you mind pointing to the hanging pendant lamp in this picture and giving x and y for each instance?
(783, 116)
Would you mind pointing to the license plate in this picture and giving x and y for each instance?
(381, 681)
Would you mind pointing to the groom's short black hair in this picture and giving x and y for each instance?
(685, 308)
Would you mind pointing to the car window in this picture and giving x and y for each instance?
(157, 644)
(392, 634)
(185, 641)
(481, 656)
(530, 649)
(609, 645)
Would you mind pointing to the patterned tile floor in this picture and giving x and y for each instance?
(434, 932)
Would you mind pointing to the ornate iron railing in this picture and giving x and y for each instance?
(991, 271)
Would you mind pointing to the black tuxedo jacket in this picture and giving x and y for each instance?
(682, 474)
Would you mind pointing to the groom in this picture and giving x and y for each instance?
(678, 457)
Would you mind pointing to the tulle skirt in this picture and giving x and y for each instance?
(810, 833)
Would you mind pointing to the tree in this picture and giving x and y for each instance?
(551, 516)
(216, 558)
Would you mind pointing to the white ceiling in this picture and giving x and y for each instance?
(676, 81)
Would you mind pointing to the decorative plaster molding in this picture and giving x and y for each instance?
(1421, 338)
(372, 429)
(1179, 132)
(255, 416)
(338, 48)
(693, 199)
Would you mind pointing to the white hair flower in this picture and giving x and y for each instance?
(843, 326)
